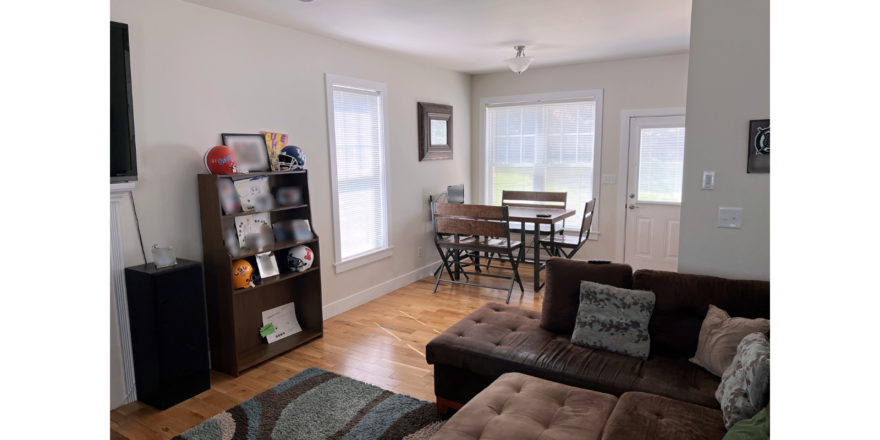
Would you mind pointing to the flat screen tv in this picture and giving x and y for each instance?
(123, 159)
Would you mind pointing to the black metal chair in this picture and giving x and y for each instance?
(558, 244)
(473, 229)
(454, 194)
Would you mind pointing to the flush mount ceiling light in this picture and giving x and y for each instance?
(520, 62)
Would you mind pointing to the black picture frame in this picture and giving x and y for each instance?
(260, 162)
(440, 113)
(759, 147)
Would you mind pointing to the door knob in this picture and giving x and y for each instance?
(633, 206)
(632, 196)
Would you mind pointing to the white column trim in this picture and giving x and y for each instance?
(117, 275)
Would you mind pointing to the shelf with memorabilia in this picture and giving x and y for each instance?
(282, 252)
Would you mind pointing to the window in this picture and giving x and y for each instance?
(357, 119)
(661, 164)
(547, 142)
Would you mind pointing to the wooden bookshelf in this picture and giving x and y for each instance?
(235, 315)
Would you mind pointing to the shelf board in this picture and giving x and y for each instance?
(263, 173)
(280, 208)
(274, 279)
(264, 352)
(278, 245)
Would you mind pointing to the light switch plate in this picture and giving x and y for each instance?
(609, 179)
(730, 218)
(709, 180)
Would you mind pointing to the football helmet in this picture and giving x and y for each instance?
(220, 160)
(300, 258)
(291, 158)
(242, 274)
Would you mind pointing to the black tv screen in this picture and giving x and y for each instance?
(123, 160)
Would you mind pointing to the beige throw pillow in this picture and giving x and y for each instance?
(719, 337)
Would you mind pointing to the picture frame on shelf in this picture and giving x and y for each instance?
(267, 265)
(251, 151)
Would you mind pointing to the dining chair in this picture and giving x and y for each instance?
(558, 244)
(474, 228)
(530, 199)
(454, 194)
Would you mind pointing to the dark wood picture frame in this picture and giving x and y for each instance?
(434, 112)
(759, 147)
(258, 138)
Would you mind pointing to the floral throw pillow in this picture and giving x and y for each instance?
(614, 319)
(745, 385)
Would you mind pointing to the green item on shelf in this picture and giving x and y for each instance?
(756, 428)
(267, 330)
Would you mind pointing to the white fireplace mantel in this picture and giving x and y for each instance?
(118, 191)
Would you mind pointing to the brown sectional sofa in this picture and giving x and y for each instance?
(498, 338)
(517, 406)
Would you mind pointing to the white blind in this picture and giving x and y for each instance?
(542, 147)
(661, 160)
(360, 169)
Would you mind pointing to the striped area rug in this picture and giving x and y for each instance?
(318, 405)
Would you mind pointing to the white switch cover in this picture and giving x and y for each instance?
(609, 178)
(730, 218)
(709, 180)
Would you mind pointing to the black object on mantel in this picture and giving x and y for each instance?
(169, 333)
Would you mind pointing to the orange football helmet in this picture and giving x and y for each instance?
(242, 274)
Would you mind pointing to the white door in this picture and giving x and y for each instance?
(653, 192)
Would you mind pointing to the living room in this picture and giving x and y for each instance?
(446, 220)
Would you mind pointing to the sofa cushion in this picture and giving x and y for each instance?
(719, 337)
(498, 338)
(641, 416)
(614, 319)
(683, 301)
(745, 386)
(517, 406)
(563, 289)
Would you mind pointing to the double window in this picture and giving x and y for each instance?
(357, 115)
(547, 142)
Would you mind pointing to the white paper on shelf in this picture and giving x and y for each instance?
(284, 320)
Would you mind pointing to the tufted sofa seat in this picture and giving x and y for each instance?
(497, 338)
(517, 406)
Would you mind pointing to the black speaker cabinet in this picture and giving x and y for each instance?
(169, 334)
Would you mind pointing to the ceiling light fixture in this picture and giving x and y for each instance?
(520, 62)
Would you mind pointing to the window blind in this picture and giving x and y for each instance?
(542, 146)
(661, 162)
(360, 169)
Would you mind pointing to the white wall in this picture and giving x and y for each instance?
(117, 385)
(641, 83)
(198, 72)
(728, 85)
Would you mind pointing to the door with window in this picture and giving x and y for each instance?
(653, 192)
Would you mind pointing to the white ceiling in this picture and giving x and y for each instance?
(475, 36)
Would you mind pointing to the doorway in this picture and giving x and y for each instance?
(652, 190)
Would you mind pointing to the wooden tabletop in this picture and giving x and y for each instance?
(529, 215)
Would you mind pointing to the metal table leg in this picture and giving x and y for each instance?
(537, 257)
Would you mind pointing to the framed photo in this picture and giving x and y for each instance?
(267, 265)
(250, 150)
(759, 146)
(435, 131)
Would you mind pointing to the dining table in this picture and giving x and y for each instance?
(525, 215)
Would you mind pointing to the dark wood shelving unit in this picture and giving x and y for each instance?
(235, 315)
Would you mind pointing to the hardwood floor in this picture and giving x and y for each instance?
(381, 342)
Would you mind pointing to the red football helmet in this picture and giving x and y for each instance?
(220, 160)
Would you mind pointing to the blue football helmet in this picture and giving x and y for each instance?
(291, 158)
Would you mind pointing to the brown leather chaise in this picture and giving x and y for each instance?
(497, 338)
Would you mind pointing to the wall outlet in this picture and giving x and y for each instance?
(730, 218)
(420, 251)
(609, 179)
(709, 180)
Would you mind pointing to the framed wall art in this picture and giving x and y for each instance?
(250, 150)
(759, 146)
(435, 131)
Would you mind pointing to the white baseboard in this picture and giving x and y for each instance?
(363, 297)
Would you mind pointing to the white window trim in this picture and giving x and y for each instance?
(385, 252)
(596, 95)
